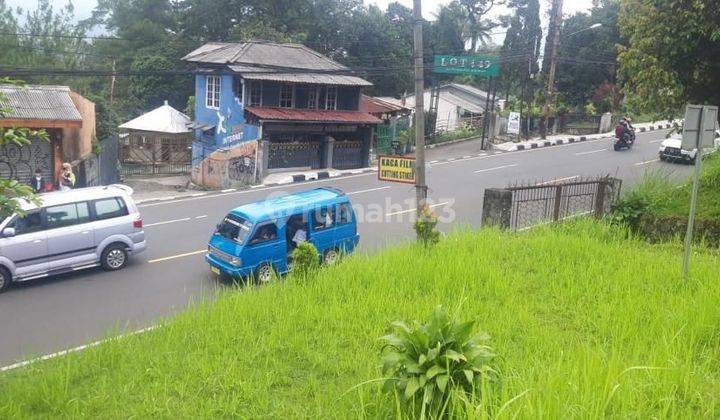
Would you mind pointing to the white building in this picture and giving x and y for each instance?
(457, 103)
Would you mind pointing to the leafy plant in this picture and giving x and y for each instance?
(305, 259)
(425, 227)
(12, 191)
(429, 362)
(629, 210)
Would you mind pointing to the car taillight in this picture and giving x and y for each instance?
(137, 224)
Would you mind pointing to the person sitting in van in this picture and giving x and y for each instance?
(300, 236)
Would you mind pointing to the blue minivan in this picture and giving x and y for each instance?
(257, 239)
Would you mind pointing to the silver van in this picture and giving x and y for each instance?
(70, 231)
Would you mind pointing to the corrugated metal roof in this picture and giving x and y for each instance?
(375, 105)
(312, 115)
(469, 89)
(264, 54)
(462, 103)
(309, 78)
(38, 102)
(261, 60)
(164, 119)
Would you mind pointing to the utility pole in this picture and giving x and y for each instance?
(549, 95)
(420, 187)
(112, 83)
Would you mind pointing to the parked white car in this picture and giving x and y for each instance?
(672, 151)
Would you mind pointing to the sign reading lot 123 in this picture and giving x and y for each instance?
(396, 168)
(477, 65)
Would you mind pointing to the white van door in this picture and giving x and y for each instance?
(70, 236)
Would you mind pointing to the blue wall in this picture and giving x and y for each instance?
(229, 120)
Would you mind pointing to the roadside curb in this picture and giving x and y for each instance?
(294, 179)
(567, 140)
(451, 142)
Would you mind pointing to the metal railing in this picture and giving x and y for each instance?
(522, 207)
(553, 201)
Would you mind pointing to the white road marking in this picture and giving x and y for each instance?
(554, 181)
(646, 162)
(591, 152)
(73, 350)
(173, 257)
(656, 141)
(368, 190)
(335, 179)
(495, 168)
(412, 210)
(185, 219)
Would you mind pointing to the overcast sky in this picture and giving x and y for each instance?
(84, 7)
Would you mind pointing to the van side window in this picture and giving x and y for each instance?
(32, 222)
(109, 208)
(344, 214)
(322, 218)
(67, 215)
(264, 233)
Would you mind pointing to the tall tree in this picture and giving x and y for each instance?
(445, 34)
(587, 57)
(379, 42)
(478, 26)
(521, 48)
(671, 56)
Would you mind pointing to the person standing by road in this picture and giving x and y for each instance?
(67, 177)
(38, 182)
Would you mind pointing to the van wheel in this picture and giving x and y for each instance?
(331, 257)
(5, 279)
(264, 273)
(114, 257)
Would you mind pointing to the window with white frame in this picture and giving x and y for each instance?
(331, 98)
(212, 92)
(312, 98)
(255, 94)
(286, 96)
(239, 86)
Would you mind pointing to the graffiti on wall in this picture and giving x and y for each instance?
(20, 162)
(241, 166)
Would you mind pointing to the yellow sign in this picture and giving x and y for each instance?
(396, 169)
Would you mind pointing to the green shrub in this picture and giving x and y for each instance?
(429, 363)
(305, 259)
(425, 227)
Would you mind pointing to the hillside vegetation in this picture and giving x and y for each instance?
(585, 324)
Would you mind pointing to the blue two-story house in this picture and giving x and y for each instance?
(302, 108)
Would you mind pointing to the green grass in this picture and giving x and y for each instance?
(586, 324)
(664, 197)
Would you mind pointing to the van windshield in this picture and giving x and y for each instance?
(234, 228)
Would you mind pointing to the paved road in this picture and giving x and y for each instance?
(46, 316)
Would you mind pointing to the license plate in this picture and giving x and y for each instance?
(215, 270)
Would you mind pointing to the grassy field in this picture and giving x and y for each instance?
(657, 194)
(586, 324)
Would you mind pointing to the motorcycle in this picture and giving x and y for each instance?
(624, 141)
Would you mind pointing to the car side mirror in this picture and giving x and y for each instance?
(8, 232)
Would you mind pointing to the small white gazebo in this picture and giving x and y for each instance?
(159, 141)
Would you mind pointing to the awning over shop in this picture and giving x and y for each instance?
(311, 115)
